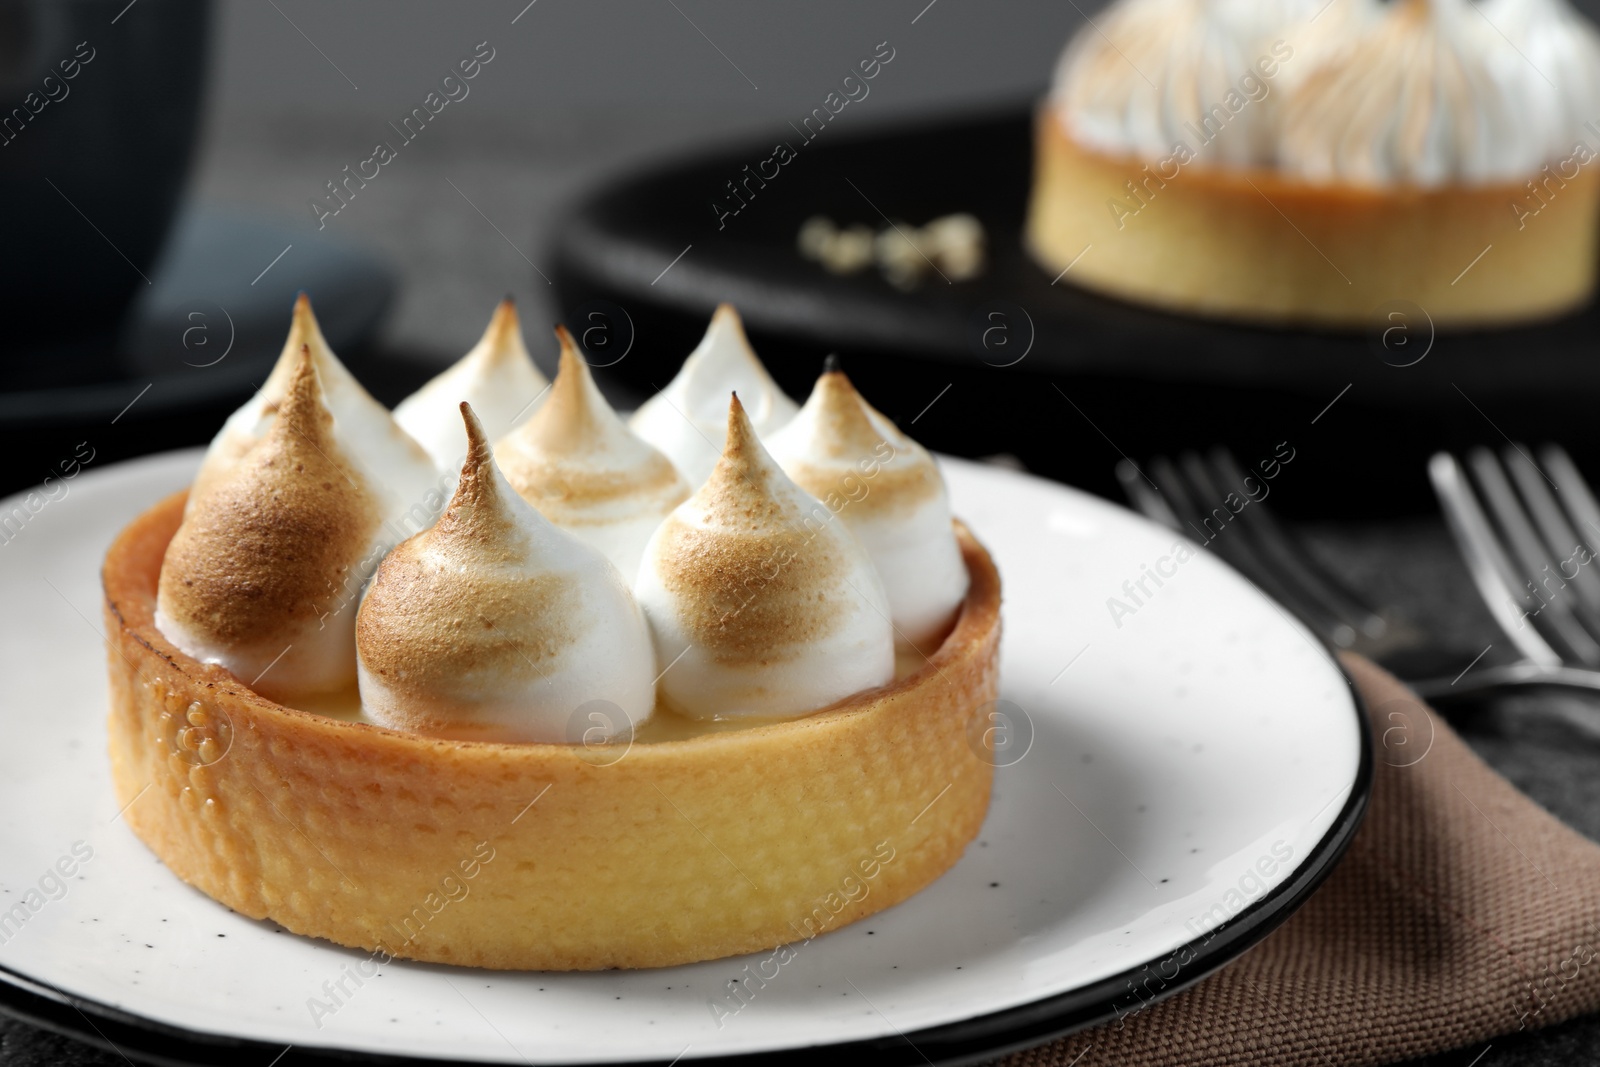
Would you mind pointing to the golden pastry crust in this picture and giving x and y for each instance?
(1224, 243)
(533, 856)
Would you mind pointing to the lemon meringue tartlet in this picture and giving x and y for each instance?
(1296, 162)
(516, 722)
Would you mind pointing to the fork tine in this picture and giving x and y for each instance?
(1182, 499)
(1176, 496)
(1579, 498)
(1167, 497)
(1529, 553)
(1486, 561)
(1293, 560)
(1235, 541)
(1576, 496)
(1144, 496)
(1559, 535)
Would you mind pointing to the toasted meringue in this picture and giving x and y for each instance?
(1414, 92)
(1429, 97)
(1550, 38)
(687, 420)
(263, 574)
(372, 441)
(1437, 95)
(758, 603)
(497, 378)
(1147, 75)
(496, 625)
(585, 471)
(889, 491)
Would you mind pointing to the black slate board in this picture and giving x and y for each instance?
(1100, 376)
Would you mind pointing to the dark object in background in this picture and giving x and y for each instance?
(1100, 377)
(135, 327)
(213, 301)
(201, 339)
(99, 102)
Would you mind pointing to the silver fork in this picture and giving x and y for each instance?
(1190, 495)
(1520, 533)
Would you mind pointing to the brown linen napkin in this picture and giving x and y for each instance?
(1462, 911)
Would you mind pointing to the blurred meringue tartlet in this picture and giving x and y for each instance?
(1297, 161)
(639, 725)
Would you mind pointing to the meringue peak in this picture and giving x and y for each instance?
(841, 448)
(585, 470)
(741, 449)
(305, 332)
(762, 604)
(305, 336)
(301, 413)
(888, 490)
(496, 625)
(686, 420)
(576, 416)
(395, 463)
(725, 334)
(479, 505)
(850, 426)
(724, 359)
(502, 338)
(497, 377)
(273, 542)
(743, 479)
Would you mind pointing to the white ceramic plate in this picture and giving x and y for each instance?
(1198, 754)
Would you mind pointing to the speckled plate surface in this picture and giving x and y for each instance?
(1179, 772)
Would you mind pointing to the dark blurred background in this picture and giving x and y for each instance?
(575, 92)
(160, 220)
(217, 124)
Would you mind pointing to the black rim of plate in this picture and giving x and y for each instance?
(950, 1045)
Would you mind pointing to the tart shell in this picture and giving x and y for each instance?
(1257, 246)
(541, 856)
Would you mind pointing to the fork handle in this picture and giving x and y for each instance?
(1510, 676)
